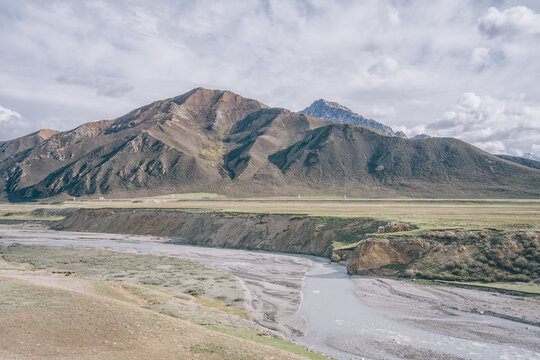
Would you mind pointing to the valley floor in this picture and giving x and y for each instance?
(305, 298)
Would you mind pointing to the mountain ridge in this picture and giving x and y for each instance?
(218, 141)
(11, 147)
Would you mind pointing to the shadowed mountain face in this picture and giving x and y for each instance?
(335, 112)
(217, 141)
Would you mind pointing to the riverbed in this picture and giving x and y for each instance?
(315, 303)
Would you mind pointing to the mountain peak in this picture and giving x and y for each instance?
(332, 111)
(46, 133)
(332, 104)
(12, 147)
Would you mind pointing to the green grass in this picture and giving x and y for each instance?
(521, 287)
(265, 339)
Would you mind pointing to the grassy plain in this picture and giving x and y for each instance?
(425, 214)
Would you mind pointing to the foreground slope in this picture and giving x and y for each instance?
(52, 313)
(217, 141)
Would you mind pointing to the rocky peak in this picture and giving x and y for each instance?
(335, 112)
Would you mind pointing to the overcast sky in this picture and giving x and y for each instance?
(466, 69)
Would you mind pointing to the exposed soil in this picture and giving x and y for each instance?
(367, 246)
(284, 233)
(485, 255)
(56, 317)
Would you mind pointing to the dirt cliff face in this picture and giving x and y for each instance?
(485, 255)
(283, 233)
(383, 256)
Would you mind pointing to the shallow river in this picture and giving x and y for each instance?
(317, 304)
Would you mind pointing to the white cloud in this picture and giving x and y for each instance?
(385, 68)
(9, 116)
(388, 73)
(515, 20)
(480, 57)
(72, 62)
(12, 124)
(105, 86)
(497, 126)
(380, 112)
(393, 15)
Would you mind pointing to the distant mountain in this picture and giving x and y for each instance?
(335, 112)
(531, 156)
(420, 137)
(217, 141)
(522, 161)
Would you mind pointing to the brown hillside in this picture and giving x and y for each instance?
(211, 140)
(436, 167)
(12, 147)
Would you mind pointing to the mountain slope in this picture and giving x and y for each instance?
(521, 160)
(127, 153)
(355, 157)
(217, 141)
(12, 147)
(335, 112)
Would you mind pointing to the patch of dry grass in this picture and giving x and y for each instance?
(98, 312)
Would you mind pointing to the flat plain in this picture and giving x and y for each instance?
(426, 214)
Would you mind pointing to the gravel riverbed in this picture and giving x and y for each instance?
(318, 305)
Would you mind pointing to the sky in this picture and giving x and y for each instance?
(464, 69)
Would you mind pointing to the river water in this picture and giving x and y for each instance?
(315, 302)
(344, 327)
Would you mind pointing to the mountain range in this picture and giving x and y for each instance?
(217, 141)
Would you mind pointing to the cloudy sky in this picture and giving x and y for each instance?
(466, 69)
